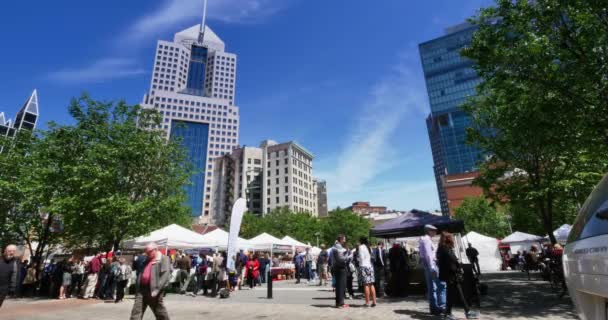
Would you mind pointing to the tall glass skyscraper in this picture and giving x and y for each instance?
(193, 86)
(450, 80)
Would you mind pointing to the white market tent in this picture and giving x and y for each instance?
(489, 256)
(561, 233)
(172, 236)
(218, 239)
(265, 241)
(521, 241)
(295, 242)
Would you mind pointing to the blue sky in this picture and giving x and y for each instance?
(341, 77)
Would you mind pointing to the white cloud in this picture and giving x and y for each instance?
(173, 12)
(99, 71)
(368, 151)
(362, 168)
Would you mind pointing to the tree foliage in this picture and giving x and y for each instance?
(542, 109)
(92, 184)
(481, 216)
(127, 178)
(304, 227)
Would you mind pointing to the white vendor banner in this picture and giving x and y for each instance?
(239, 208)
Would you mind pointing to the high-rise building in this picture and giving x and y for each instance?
(275, 175)
(321, 196)
(193, 86)
(450, 80)
(27, 117)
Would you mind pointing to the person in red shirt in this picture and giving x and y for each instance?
(150, 285)
(253, 269)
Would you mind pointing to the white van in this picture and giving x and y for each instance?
(586, 256)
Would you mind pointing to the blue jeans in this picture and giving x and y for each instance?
(309, 275)
(435, 292)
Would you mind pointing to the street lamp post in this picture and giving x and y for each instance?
(317, 234)
(508, 216)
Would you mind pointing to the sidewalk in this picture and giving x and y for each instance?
(509, 297)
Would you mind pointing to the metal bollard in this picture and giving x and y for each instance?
(269, 285)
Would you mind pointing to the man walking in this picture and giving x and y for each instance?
(322, 262)
(9, 272)
(298, 262)
(435, 288)
(473, 256)
(184, 264)
(379, 258)
(308, 265)
(92, 270)
(339, 267)
(150, 285)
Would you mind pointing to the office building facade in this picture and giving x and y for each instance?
(271, 176)
(193, 86)
(450, 81)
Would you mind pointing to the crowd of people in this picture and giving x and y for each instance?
(444, 275)
(150, 275)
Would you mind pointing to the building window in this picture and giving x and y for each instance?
(286, 189)
(286, 199)
(286, 179)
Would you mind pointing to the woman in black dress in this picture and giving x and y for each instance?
(451, 272)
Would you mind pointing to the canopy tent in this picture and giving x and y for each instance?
(265, 241)
(521, 241)
(218, 239)
(561, 233)
(411, 224)
(295, 243)
(489, 256)
(172, 236)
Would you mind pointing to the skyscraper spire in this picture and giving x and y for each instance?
(201, 35)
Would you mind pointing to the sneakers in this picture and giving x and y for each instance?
(472, 315)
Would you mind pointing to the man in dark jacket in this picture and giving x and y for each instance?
(150, 285)
(379, 260)
(9, 272)
(339, 267)
(473, 256)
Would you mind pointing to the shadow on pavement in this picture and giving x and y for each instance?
(322, 305)
(518, 297)
(415, 314)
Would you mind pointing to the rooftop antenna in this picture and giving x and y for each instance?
(201, 34)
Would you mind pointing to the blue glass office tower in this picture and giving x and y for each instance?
(450, 80)
(193, 136)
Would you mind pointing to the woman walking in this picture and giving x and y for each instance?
(253, 269)
(451, 272)
(31, 280)
(366, 272)
(66, 279)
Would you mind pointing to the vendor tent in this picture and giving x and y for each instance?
(218, 239)
(295, 242)
(489, 256)
(411, 224)
(172, 236)
(520, 241)
(561, 233)
(268, 242)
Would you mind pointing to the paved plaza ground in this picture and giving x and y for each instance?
(510, 296)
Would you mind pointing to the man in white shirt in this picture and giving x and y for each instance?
(435, 288)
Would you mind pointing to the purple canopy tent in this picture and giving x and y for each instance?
(411, 224)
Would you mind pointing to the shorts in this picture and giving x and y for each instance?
(323, 269)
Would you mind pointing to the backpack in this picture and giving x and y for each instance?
(202, 267)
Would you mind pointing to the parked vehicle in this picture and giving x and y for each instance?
(586, 256)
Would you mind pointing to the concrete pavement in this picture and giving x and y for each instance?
(510, 296)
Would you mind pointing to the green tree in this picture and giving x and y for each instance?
(125, 178)
(481, 216)
(282, 222)
(541, 110)
(344, 221)
(31, 171)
